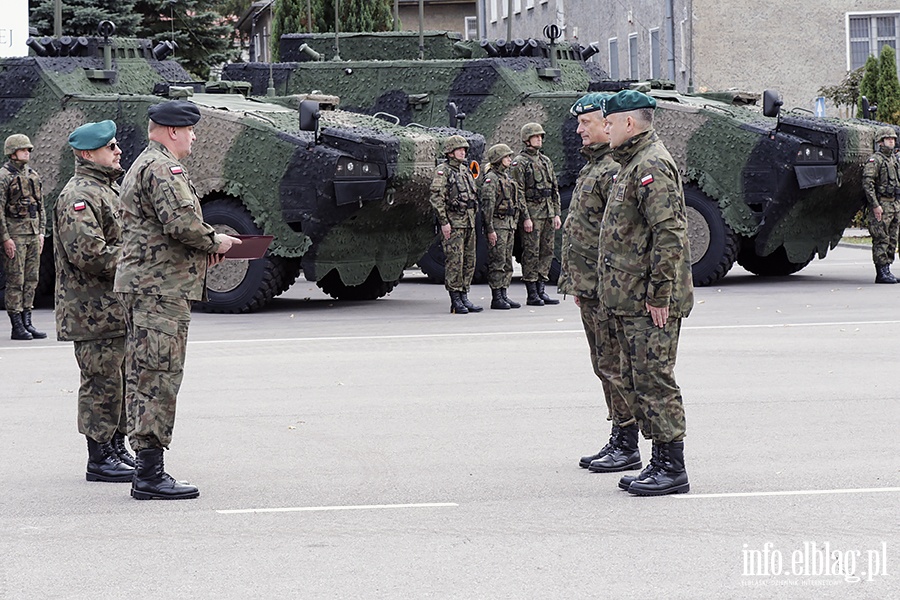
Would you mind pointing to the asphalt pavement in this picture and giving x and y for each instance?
(389, 449)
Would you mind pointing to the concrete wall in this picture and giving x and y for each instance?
(439, 16)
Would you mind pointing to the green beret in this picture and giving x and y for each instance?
(589, 103)
(627, 100)
(174, 113)
(91, 136)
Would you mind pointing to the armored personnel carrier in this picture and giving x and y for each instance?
(345, 195)
(770, 192)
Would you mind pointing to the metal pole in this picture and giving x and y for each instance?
(479, 16)
(509, 11)
(396, 15)
(337, 31)
(421, 29)
(57, 19)
(670, 26)
(691, 47)
(308, 16)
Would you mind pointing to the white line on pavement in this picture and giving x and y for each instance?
(793, 493)
(242, 511)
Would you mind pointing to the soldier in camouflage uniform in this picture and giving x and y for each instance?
(645, 282)
(881, 181)
(87, 242)
(455, 200)
(501, 205)
(22, 227)
(580, 277)
(166, 250)
(534, 174)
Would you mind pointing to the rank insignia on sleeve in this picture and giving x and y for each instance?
(79, 206)
(176, 170)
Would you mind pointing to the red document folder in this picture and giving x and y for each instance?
(251, 247)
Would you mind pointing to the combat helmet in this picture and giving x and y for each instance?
(496, 153)
(16, 142)
(531, 129)
(454, 142)
(885, 132)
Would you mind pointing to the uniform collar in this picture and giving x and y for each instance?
(92, 169)
(531, 151)
(595, 152)
(624, 153)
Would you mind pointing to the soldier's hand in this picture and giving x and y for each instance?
(41, 244)
(557, 222)
(659, 315)
(877, 212)
(446, 229)
(9, 246)
(226, 242)
(492, 238)
(214, 259)
(528, 225)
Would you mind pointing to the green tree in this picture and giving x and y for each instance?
(205, 37)
(355, 15)
(81, 17)
(869, 83)
(846, 93)
(888, 87)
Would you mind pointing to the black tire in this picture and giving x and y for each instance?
(714, 246)
(432, 262)
(773, 265)
(370, 289)
(239, 286)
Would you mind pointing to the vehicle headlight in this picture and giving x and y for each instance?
(350, 168)
(809, 154)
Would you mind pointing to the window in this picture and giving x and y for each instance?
(654, 54)
(633, 56)
(613, 58)
(471, 28)
(493, 11)
(517, 7)
(529, 4)
(867, 34)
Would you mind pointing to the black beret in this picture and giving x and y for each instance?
(174, 113)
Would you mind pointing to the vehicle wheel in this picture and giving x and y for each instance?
(714, 246)
(239, 286)
(773, 265)
(432, 262)
(370, 289)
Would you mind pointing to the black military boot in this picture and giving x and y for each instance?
(152, 482)
(543, 295)
(456, 305)
(104, 464)
(464, 298)
(26, 320)
(624, 456)
(533, 299)
(882, 275)
(586, 461)
(669, 476)
(18, 328)
(626, 480)
(497, 300)
(508, 301)
(118, 444)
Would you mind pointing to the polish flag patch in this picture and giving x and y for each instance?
(176, 170)
(79, 206)
(646, 179)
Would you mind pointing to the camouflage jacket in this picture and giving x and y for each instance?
(500, 201)
(581, 231)
(453, 194)
(644, 251)
(166, 243)
(533, 172)
(881, 177)
(21, 201)
(87, 241)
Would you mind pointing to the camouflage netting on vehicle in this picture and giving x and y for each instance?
(365, 46)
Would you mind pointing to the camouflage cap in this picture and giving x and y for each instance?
(91, 136)
(16, 142)
(530, 130)
(496, 153)
(885, 132)
(590, 103)
(454, 142)
(628, 100)
(174, 113)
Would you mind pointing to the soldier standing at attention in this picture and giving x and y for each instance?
(645, 283)
(881, 181)
(580, 277)
(166, 250)
(87, 241)
(455, 200)
(501, 205)
(533, 172)
(22, 226)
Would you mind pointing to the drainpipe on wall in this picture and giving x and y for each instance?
(670, 27)
(479, 17)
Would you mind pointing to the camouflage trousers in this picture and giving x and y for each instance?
(500, 256)
(537, 250)
(155, 345)
(22, 273)
(459, 259)
(600, 331)
(885, 232)
(101, 397)
(648, 365)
